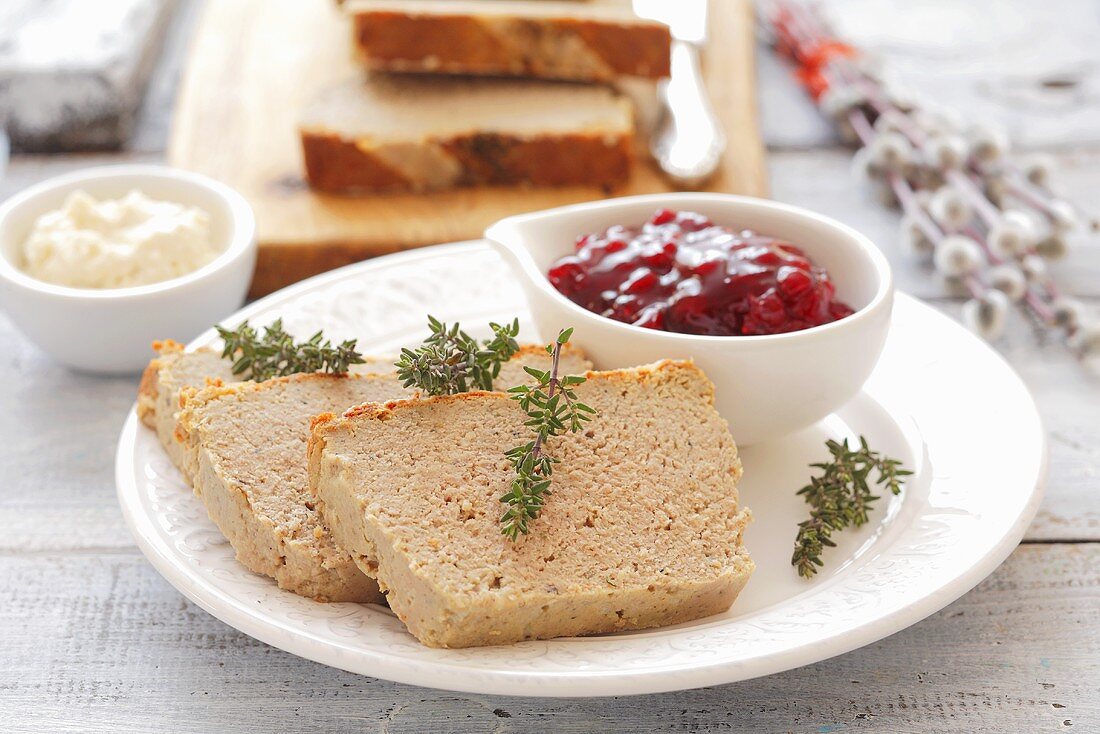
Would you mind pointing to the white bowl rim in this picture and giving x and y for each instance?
(868, 249)
(241, 240)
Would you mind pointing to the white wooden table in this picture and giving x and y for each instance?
(92, 639)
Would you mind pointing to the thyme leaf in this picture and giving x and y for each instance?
(450, 361)
(841, 496)
(275, 353)
(552, 409)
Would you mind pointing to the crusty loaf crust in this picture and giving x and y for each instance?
(643, 528)
(422, 134)
(548, 40)
(244, 444)
(347, 166)
(150, 376)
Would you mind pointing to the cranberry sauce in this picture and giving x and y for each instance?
(681, 272)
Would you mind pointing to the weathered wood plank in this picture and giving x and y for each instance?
(101, 643)
(57, 442)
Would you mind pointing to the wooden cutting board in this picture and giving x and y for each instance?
(256, 63)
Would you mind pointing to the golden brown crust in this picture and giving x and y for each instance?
(167, 346)
(634, 50)
(578, 159)
(444, 43)
(150, 378)
(336, 164)
(467, 44)
(530, 350)
(187, 398)
(316, 441)
(364, 410)
(216, 387)
(648, 372)
(147, 393)
(192, 398)
(376, 411)
(321, 419)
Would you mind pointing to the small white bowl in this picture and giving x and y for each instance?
(110, 331)
(766, 386)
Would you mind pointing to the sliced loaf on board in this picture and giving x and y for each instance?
(419, 133)
(592, 42)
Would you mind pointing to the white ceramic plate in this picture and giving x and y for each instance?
(940, 400)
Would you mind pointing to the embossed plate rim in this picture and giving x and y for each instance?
(712, 652)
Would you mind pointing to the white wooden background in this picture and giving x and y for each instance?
(92, 639)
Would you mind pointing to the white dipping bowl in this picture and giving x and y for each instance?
(765, 386)
(110, 331)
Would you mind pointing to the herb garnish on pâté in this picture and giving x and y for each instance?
(552, 409)
(276, 353)
(450, 361)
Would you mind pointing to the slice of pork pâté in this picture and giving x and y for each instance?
(244, 445)
(643, 528)
(174, 370)
(169, 372)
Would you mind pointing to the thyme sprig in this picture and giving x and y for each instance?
(552, 409)
(276, 353)
(450, 361)
(841, 497)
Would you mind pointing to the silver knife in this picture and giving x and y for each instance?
(688, 141)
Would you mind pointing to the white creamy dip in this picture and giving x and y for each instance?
(117, 243)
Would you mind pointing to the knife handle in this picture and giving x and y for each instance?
(688, 141)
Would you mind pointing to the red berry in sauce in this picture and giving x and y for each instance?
(663, 216)
(681, 272)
